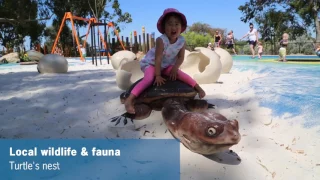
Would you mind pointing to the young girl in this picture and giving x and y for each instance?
(283, 47)
(260, 49)
(210, 46)
(165, 58)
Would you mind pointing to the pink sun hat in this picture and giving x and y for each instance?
(166, 12)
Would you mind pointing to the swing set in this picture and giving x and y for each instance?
(92, 23)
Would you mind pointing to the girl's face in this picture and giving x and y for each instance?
(172, 27)
(284, 36)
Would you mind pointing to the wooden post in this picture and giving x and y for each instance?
(92, 45)
(136, 46)
(144, 40)
(140, 47)
(147, 42)
(127, 43)
(116, 40)
(113, 45)
(130, 41)
(109, 38)
(152, 39)
(106, 40)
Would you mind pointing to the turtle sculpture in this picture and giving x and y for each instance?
(188, 119)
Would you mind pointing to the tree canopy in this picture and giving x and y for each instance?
(292, 16)
(101, 9)
(19, 19)
(205, 29)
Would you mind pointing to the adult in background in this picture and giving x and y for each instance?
(217, 39)
(253, 38)
(230, 42)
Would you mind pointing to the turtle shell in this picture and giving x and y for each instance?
(171, 88)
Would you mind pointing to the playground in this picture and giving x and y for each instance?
(55, 110)
(258, 119)
(104, 42)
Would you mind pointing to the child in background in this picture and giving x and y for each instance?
(318, 51)
(283, 47)
(83, 51)
(260, 49)
(210, 46)
(165, 58)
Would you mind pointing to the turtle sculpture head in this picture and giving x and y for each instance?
(202, 132)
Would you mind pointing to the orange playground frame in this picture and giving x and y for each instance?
(91, 21)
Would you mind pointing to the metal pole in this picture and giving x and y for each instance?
(94, 43)
(99, 43)
(106, 40)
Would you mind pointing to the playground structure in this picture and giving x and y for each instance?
(92, 24)
(108, 42)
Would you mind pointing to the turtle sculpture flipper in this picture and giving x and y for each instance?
(142, 111)
(198, 105)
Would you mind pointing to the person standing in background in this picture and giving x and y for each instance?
(260, 50)
(283, 47)
(83, 51)
(253, 38)
(230, 42)
(210, 46)
(217, 39)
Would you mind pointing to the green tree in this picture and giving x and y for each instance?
(18, 20)
(299, 14)
(277, 22)
(194, 39)
(88, 9)
(206, 29)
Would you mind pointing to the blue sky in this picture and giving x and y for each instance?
(219, 14)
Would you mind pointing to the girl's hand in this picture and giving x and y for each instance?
(173, 73)
(159, 80)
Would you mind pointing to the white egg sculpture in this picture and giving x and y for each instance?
(186, 53)
(52, 63)
(203, 65)
(225, 58)
(119, 56)
(34, 55)
(128, 73)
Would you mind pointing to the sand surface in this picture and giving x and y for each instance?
(78, 104)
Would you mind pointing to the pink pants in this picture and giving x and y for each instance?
(149, 78)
